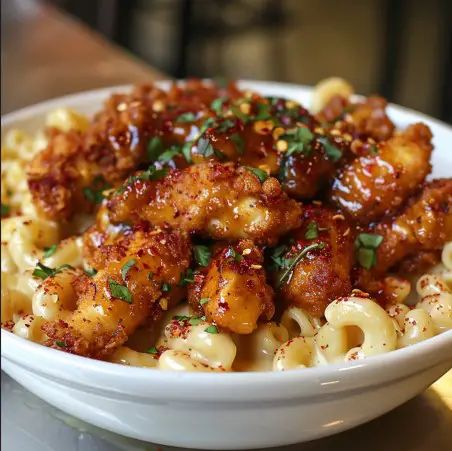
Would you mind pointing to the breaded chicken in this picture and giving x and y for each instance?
(362, 120)
(313, 268)
(131, 129)
(376, 184)
(424, 225)
(221, 201)
(232, 291)
(123, 295)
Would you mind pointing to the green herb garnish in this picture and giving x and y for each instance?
(155, 148)
(186, 117)
(232, 253)
(259, 173)
(187, 277)
(120, 291)
(202, 254)
(126, 268)
(312, 231)
(43, 271)
(239, 143)
(186, 151)
(49, 251)
(217, 104)
(212, 329)
(203, 301)
(61, 344)
(170, 154)
(90, 271)
(152, 350)
(194, 321)
(366, 245)
(333, 152)
(295, 260)
(5, 209)
(204, 147)
(165, 288)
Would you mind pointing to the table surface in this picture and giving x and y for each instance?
(47, 54)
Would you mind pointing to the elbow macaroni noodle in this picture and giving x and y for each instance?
(354, 327)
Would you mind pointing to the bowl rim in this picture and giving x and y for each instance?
(143, 383)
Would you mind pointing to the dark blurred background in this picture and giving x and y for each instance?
(401, 49)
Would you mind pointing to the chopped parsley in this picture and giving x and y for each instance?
(259, 173)
(90, 271)
(312, 231)
(292, 262)
(204, 147)
(217, 104)
(366, 245)
(155, 148)
(152, 350)
(49, 251)
(202, 254)
(225, 125)
(232, 253)
(212, 329)
(203, 301)
(94, 193)
(150, 275)
(126, 268)
(239, 143)
(43, 271)
(186, 151)
(333, 152)
(169, 154)
(277, 256)
(187, 277)
(263, 112)
(298, 140)
(5, 209)
(120, 291)
(195, 320)
(61, 344)
(165, 288)
(186, 117)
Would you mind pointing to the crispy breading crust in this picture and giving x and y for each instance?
(235, 285)
(222, 201)
(102, 321)
(323, 274)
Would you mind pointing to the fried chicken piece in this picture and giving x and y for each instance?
(362, 120)
(222, 201)
(232, 291)
(123, 295)
(376, 184)
(314, 269)
(424, 225)
(116, 142)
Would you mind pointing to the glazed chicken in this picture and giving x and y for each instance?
(194, 123)
(232, 291)
(131, 129)
(377, 183)
(313, 267)
(424, 225)
(362, 120)
(221, 201)
(124, 294)
(291, 208)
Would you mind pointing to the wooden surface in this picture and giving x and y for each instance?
(47, 54)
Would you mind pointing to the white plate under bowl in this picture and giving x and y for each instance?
(227, 410)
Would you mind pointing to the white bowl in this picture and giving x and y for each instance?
(227, 410)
